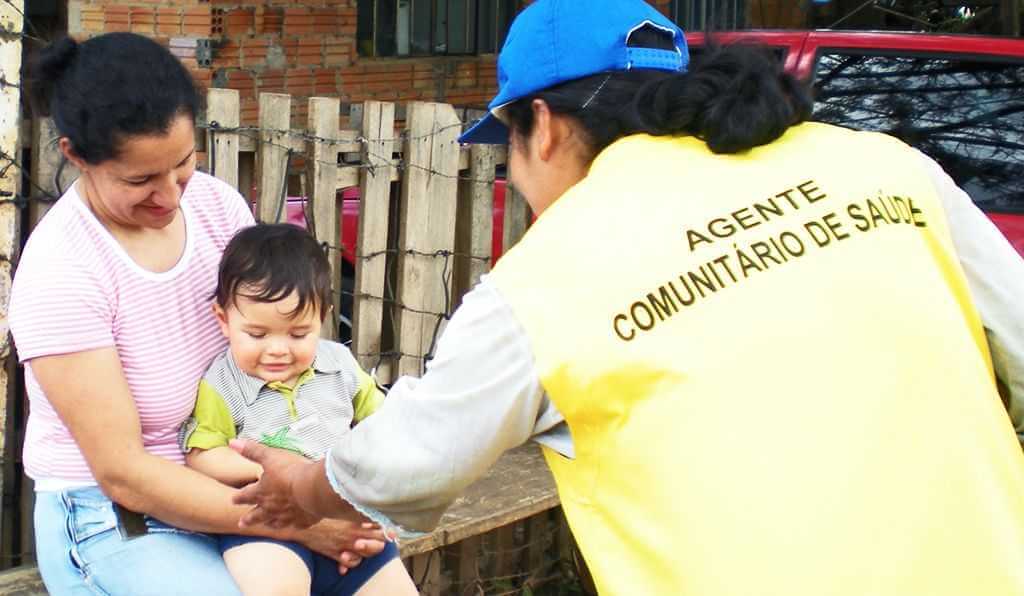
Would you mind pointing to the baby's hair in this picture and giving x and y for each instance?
(267, 262)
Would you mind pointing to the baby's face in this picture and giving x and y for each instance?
(267, 342)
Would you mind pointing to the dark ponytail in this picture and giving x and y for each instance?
(45, 72)
(735, 98)
(108, 88)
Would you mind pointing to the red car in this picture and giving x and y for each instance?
(957, 98)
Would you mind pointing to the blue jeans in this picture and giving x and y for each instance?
(81, 550)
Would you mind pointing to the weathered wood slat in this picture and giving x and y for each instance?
(427, 227)
(518, 486)
(517, 218)
(46, 163)
(321, 163)
(374, 213)
(11, 15)
(222, 109)
(272, 156)
(475, 219)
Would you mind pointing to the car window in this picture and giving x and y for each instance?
(966, 113)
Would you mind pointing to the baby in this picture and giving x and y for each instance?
(280, 384)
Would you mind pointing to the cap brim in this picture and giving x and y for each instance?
(488, 131)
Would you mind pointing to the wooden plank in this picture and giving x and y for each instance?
(372, 240)
(538, 538)
(468, 570)
(321, 164)
(11, 13)
(22, 581)
(222, 111)
(426, 573)
(516, 487)
(272, 155)
(475, 220)
(46, 164)
(247, 176)
(517, 218)
(506, 555)
(426, 229)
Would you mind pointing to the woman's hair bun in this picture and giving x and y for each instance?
(46, 70)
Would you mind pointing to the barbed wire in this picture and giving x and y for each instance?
(388, 160)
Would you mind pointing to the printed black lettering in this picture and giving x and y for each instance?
(746, 262)
(893, 215)
(665, 307)
(642, 307)
(862, 222)
(793, 244)
(835, 226)
(818, 233)
(724, 230)
(876, 214)
(745, 218)
(764, 251)
(785, 195)
(711, 267)
(808, 189)
(914, 212)
(620, 318)
(778, 249)
(724, 262)
(702, 282)
(769, 207)
(902, 209)
(689, 292)
(694, 238)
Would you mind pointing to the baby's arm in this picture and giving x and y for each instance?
(369, 397)
(205, 436)
(224, 464)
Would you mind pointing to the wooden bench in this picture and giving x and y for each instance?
(518, 487)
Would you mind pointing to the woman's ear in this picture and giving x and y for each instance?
(66, 149)
(543, 136)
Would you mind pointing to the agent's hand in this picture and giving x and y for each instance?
(271, 496)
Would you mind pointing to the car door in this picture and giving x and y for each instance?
(959, 100)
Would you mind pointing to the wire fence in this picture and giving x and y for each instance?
(509, 561)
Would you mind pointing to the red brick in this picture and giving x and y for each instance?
(92, 19)
(240, 21)
(227, 55)
(271, 81)
(269, 20)
(299, 81)
(143, 20)
(197, 20)
(168, 21)
(116, 18)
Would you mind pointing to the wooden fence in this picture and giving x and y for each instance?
(424, 238)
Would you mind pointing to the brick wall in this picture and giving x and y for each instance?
(301, 47)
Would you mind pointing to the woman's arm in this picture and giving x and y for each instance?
(90, 394)
(223, 464)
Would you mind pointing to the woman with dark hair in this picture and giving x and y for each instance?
(758, 357)
(111, 313)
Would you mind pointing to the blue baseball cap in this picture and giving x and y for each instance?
(556, 41)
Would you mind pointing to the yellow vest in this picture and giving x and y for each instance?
(774, 377)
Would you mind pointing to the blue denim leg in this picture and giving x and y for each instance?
(80, 550)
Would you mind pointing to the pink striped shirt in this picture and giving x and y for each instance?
(76, 289)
